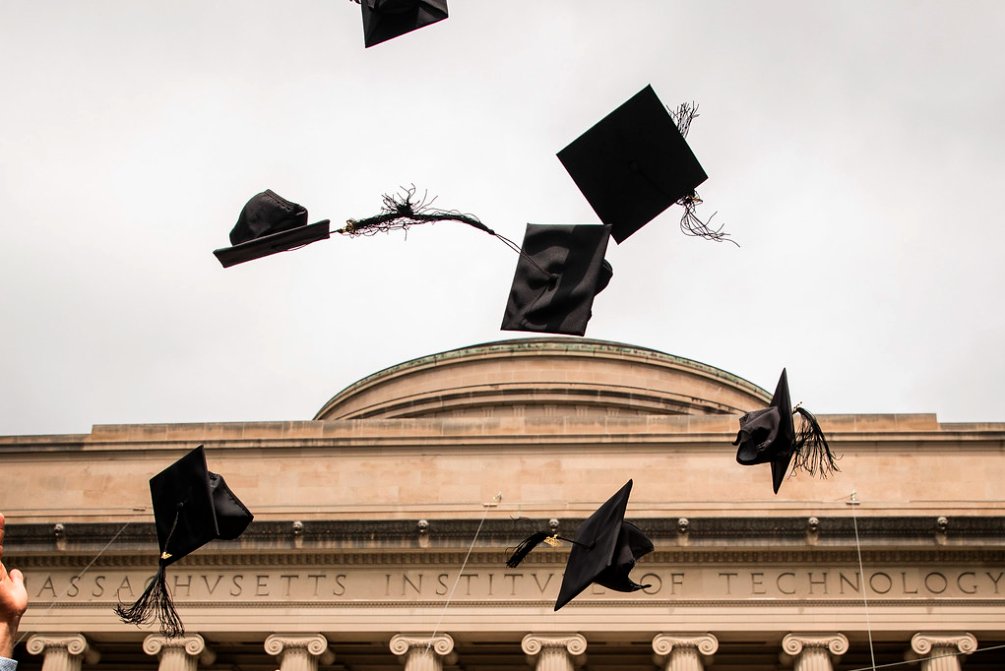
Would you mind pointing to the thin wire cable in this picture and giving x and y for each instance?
(862, 581)
(925, 659)
(76, 577)
(450, 596)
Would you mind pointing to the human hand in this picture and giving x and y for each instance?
(13, 601)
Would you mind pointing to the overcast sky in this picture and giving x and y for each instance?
(855, 150)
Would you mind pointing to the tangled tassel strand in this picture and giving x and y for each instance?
(403, 210)
(690, 222)
(812, 453)
(154, 604)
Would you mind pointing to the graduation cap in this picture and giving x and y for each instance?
(560, 270)
(192, 506)
(769, 435)
(269, 224)
(604, 551)
(386, 19)
(634, 164)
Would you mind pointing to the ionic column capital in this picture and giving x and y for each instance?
(62, 652)
(423, 653)
(179, 653)
(813, 652)
(569, 647)
(297, 652)
(689, 652)
(401, 644)
(942, 648)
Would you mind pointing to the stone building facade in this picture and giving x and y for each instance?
(366, 515)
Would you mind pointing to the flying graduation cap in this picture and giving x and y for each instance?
(634, 164)
(604, 551)
(769, 435)
(192, 506)
(386, 19)
(269, 224)
(560, 270)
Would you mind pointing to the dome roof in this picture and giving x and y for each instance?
(540, 377)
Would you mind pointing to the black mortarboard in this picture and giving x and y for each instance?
(604, 551)
(192, 506)
(633, 164)
(269, 224)
(769, 435)
(386, 19)
(560, 270)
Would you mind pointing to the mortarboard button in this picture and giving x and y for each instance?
(769, 435)
(560, 270)
(386, 19)
(269, 224)
(192, 506)
(604, 551)
(633, 164)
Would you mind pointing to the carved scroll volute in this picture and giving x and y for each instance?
(554, 652)
(684, 652)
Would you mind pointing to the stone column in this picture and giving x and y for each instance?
(684, 652)
(554, 653)
(297, 652)
(181, 653)
(814, 652)
(941, 651)
(419, 653)
(62, 652)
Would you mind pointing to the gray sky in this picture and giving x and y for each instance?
(854, 149)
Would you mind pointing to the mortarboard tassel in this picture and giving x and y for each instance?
(154, 603)
(526, 546)
(812, 453)
(690, 223)
(404, 210)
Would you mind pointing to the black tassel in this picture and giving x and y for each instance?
(525, 547)
(154, 603)
(812, 453)
(403, 210)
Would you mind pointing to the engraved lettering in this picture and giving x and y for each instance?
(235, 582)
(124, 585)
(316, 577)
(651, 588)
(538, 581)
(339, 589)
(959, 582)
(73, 586)
(676, 580)
(822, 582)
(757, 583)
(262, 585)
(886, 577)
(467, 585)
(490, 584)
(441, 581)
(512, 585)
(778, 582)
(179, 584)
(903, 584)
(844, 580)
(288, 579)
(99, 586)
(729, 577)
(387, 584)
(205, 580)
(47, 585)
(408, 582)
(995, 580)
(940, 582)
